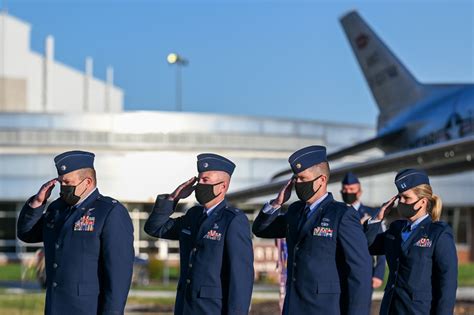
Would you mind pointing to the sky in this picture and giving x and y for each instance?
(285, 59)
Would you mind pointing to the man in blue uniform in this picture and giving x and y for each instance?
(328, 260)
(351, 193)
(216, 255)
(88, 241)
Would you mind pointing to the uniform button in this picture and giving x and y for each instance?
(296, 248)
(188, 281)
(294, 279)
(294, 264)
(195, 249)
(393, 286)
(55, 284)
(396, 272)
(57, 245)
(55, 265)
(190, 265)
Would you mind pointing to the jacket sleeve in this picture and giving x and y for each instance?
(30, 223)
(375, 238)
(159, 223)
(359, 279)
(239, 257)
(272, 225)
(378, 270)
(379, 267)
(445, 274)
(117, 255)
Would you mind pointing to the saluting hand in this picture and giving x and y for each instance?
(43, 194)
(386, 207)
(183, 190)
(365, 218)
(283, 195)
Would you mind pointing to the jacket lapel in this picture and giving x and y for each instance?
(209, 221)
(415, 235)
(77, 213)
(314, 217)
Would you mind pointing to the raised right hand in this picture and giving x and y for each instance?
(283, 195)
(386, 207)
(43, 194)
(183, 190)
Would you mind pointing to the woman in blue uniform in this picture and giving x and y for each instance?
(420, 250)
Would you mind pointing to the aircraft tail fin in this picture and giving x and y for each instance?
(393, 87)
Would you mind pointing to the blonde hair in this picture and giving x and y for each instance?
(435, 204)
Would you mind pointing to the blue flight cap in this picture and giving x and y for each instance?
(307, 157)
(73, 160)
(350, 179)
(409, 178)
(214, 162)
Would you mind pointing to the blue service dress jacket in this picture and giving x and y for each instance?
(329, 266)
(89, 254)
(216, 257)
(422, 270)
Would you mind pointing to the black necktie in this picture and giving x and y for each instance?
(407, 228)
(202, 218)
(67, 212)
(303, 218)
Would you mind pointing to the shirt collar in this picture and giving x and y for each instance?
(77, 205)
(315, 204)
(356, 205)
(418, 221)
(208, 211)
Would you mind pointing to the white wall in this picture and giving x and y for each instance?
(65, 85)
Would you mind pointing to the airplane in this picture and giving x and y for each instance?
(427, 126)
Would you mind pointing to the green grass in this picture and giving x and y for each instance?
(466, 275)
(156, 286)
(24, 304)
(13, 272)
(150, 301)
(33, 304)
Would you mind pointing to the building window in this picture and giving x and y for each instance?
(459, 219)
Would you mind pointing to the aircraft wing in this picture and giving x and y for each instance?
(441, 158)
(358, 147)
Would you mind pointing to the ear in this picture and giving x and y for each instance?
(225, 186)
(324, 179)
(421, 203)
(89, 181)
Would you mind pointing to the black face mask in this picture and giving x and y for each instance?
(205, 192)
(68, 194)
(304, 190)
(407, 210)
(349, 198)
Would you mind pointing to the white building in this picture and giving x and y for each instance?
(47, 108)
(32, 82)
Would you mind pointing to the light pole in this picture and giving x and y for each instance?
(179, 61)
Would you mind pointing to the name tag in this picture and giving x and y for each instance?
(185, 231)
(85, 224)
